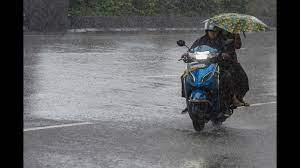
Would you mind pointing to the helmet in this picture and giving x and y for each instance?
(210, 27)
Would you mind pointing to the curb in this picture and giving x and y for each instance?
(136, 29)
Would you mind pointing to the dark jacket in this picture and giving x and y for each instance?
(218, 44)
(204, 40)
(236, 44)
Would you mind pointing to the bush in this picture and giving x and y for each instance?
(170, 7)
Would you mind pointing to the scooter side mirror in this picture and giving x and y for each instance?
(181, 43)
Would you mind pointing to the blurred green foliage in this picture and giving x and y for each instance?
(170, 7)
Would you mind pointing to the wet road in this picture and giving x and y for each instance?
(127, 87)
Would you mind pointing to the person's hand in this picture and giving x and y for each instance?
(185, 57)
(213, 58)
(210, 56)
(237, 41)
(225, 56)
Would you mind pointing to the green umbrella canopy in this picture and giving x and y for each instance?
(237, 23)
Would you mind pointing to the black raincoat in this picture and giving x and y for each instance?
(239, 76)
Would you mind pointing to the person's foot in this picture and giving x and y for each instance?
(245, 103)
(227, 113)
(236, 102)
(184, 111)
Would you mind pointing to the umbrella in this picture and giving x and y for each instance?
(237, 23)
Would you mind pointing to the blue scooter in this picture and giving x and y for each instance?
(201, 86)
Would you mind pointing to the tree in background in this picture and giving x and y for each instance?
(45, 15)
(170, 7)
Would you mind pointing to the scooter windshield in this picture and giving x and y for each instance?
(203, 48)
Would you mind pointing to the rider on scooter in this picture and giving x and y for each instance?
(214, 39)
(240, 76)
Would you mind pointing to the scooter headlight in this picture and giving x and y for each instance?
(207, 77)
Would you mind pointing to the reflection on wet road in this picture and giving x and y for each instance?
(128, 86)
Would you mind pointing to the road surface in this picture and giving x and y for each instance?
(113, 100)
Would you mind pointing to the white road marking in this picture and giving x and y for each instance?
(86, 123)
(160, 76)
(263, 47)
(56, 126)
(260, 104)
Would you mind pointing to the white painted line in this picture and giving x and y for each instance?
(86, 123)
(160, 76)
(260, 104)
(56, 126)
(152, 29)
(58, 34)
(263, 47)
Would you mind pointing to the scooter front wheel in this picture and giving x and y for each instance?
(197, 115)
(216, 123)
(198, 125)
